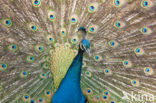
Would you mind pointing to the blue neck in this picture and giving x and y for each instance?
(74, 71)
(69, 89)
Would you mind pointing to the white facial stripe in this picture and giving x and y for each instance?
(81, 46)
(88, 51)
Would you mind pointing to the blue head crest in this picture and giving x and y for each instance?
(82, 29)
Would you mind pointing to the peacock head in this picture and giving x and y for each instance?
(84, 44)
(82, 31)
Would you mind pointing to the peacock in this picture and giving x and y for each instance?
(71, 81)
(77, 51)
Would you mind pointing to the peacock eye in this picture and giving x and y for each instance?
(39, 48)
(30, 59)
(46, 65)
(74, 40)
(23, 74)
(148, 71)
(145, 3)
(43, 75)
(3, 66)
(7, 22)
(32, 101)
(92, 29)
(92, 7)
(107, 72)
(106, 93)
(139, 51)
(12, 47)
(88, 74)
(73, 19)
(63, 32)
(47, 93)
(112, 102)
(127, 63)
(88, 91)
(40, 100)
(104, 97)
(144, 30)
(26, 98)
(36, 3)
(51, 15)
(97, 58)
(33, 27)
(134, 82)
(117, 24)
(50, 39)
(47, 58)
(117, 2)
(112, 44)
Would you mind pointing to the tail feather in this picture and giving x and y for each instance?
(122, 36)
